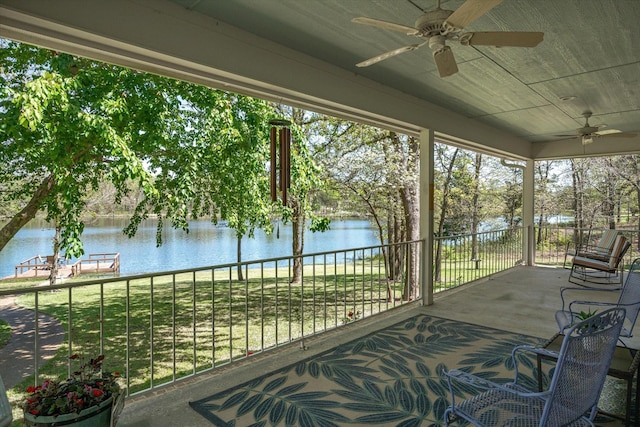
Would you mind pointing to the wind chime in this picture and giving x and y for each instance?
(280, 173)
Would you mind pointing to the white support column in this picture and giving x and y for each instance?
(426, 214)
(528, 249)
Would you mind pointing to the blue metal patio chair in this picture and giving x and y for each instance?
(572, 397)
(629, 298)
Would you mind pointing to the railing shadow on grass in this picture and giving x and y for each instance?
(159, 328)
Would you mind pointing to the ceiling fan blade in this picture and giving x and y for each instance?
(469, 12)
(387, 55)
(445, 62)
(502, 38)
(616, 134)
(385, 24)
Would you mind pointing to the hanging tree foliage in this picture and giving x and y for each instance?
(70, 124)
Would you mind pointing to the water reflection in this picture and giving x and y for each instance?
(204, 245)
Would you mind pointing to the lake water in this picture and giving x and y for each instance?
(205, 245)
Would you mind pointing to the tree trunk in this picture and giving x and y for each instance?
(385, 253)
(610, 202)
(27, 213)
(391, 232)
(543, 169)
(443, 214)
(239, 258)
(410, 202)
(297, 223)
(53, 273)
(395, 236)
(578, 202)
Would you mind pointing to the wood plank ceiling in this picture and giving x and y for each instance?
(589, 59)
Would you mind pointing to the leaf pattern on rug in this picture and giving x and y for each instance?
(393, 377)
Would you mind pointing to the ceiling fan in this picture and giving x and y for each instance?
(438, 26)
(587, 133)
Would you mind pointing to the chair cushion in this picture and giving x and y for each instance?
(619, 248)
(594, 263)
(602, 249)
(607, 240)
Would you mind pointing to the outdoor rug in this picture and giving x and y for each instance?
(392, 377)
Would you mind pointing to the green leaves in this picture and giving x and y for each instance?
(189, 150)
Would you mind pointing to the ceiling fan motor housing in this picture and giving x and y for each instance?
(437, 43)
(587, 130)
(430, 24)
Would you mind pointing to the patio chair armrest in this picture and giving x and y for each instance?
(484, 384)
(536, 350)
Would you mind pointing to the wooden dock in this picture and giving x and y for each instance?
(40, 266)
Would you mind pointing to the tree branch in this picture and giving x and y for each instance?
(27, 213)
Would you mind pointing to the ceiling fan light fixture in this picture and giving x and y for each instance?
(587, 139)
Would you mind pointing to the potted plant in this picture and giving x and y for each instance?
(90, 397)
(584, 315)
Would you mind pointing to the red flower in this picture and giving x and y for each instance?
(80, 390)
(350, 314)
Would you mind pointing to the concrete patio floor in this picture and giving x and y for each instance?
(521, 300)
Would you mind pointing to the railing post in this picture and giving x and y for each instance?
(530, 244)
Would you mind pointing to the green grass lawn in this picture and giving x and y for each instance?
(196, 321)
(190, 323)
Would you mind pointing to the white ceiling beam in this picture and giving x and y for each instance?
(600, 147)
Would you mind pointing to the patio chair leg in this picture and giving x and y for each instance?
(637, 409)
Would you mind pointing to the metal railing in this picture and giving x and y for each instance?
(97, 263)
(468, 257)
(36, 264)
(159, 328)
(555, 243)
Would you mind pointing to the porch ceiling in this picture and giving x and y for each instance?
(505, 100)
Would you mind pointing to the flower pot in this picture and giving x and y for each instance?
(95, 416)
(5, 407)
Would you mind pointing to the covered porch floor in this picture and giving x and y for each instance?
(522, 300)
